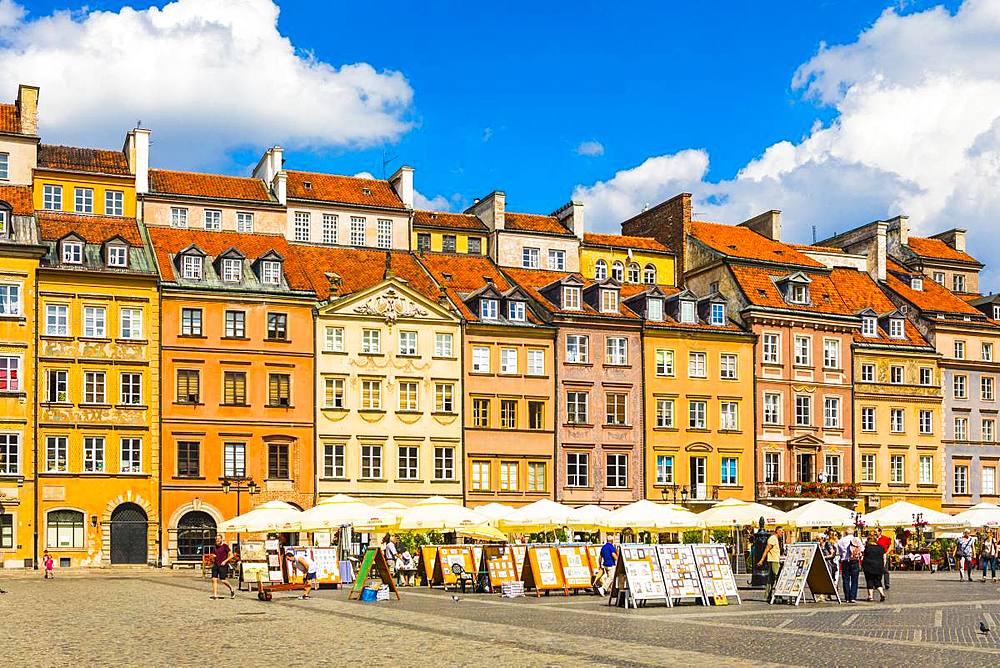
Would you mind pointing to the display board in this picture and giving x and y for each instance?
(499, 566)
(449, 555)
(373, 563)
(575, 566)
(680, 572)
(541, 570)
(428, 559)
(275, 567)
(638, 577)
(594, 555)
(253, 550)
(716, 574)
(252, 572)
(519, 550)
(327, 564)
(803, 566)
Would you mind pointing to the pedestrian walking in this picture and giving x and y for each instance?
(221, 556)
(609, 560)
(772, 556)
(988, 556)
(873, 564)
(886, 544)
(850, 551)
(965, 546)
(47, 564)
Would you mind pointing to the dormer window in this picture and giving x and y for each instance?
(917, 283)
(4, 223)
(896, 328)
(515, 311)
(798, 294)
(571, 298)
(488, 309)
(191, 267)
(687, 312)
(618, 271)
(72, 252)
(232, 270)
(996, 312)
(601, 270)
(869, 326)
(654, 310)
(117, 255)
(270, 272)
(718, 314)
(609, 301)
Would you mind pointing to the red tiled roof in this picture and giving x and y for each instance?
(758, 285)
(630, 290)
(9, 119)
(463, 274)
(530, 222)
(208, 185)
(343, 190)
(458, 221)
(19, 198)
(360, 269)
(819, 249)
(859, 291)
(938, 250)
(97, 160)
(933, 297)
(620, 241)
(169, 241)
(53, 226)
(533, 280)
(743, 243)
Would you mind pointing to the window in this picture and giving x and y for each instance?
(188, 459)
(515, 311)
(236, 324)
(961, 429)
(191, 266)
(301, 225)
(617, 470)
(729, 416)
(577, 408)
(443, 344)
(529, 258)
(771, 348)
(961, 479)
(10, 454)
(131, 389)
(232, 270)
(10, 373)
(10, 299)
(384, 238)
(357, 231)
(577, 349)
(867, 373)
(577, 469)
(896, 329)
(406, 462)
(869, 326)
(618, 271)
(509, 476)
(988, 428)
(729, 473)
(896, 420)
(407, 396)
(444, 398)
(959, 387)
(958, 283)
(772, 408)
(475, 246)
(615, 408)
(489, 309)
(896, 375)
(64, 529)
(57, 320)
(94, 387)
(407, 343)
(117, 255)
(989, 480)
(697, 363)
(371, 461)
(72, 252)
(987, 352)
(279, 388)
(481, 413)
(371, 395)
(654, 310)
(697, 414)
(508, 414)
(131, 455)
(277, 461)
(131, 323)
(897, 466)
(508, 360)
(234, 460)
(718, 314)
(803, 351)
(803, 411)
(83, 200)
(244, 222)
(56, 448)
(616, 351)
(831, 353)
(371, 341)
(664, 362)
(939, 277)
(536, 415)
(52, 198)
(926, 422)
(329, 228)
(270, 272)
(665, 413)
(633, 272)
(609, 301)
(190, 322)
(571, 298)
(213, 220)
(772, 467)
(536, 362)
(557, 260)
(4, 166)
(333, 393)
(926, 470)
(727, 366)
(831, 467)
(960, 350)
(926, 375)
(986, 388)
(94, 321)
(56, 386)
(537, 478)
(234, 390)
(799, 294)
(178, 216)
(334, 464)
(444, 463)
(649, 274)
(600, 270)
(868, 418)
(664, 470)
(114, 203)
(480, 359)
(687, 312)
(480, 475)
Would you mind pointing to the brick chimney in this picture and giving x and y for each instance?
(27, 108)
(136, 151)
(571, 217)
(402, 183)
(669, 223)
(897, 235)
(767, 224)
(954, 238)
(490, 210)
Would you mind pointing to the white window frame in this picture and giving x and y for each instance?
(697, 365)
(557, 259)
(212, 220)
(771, 348)
(577, 349)
(831, 353)
(609, 301)
(664, 363)
(244, 222)
(444, 344)
(114, 203)
(72, 252)
(831, 413)
(536, 362)
(772, 408)
(383, 233)
(302, 226)
(571, 298)
(232, 270)
(868, 417)
(371, 341)
(178, 217)
(83, 199)
(869, 467)
(530, 257)
(407, 342)
(52, 197)
(803, 350)
(10, 299)
(330, 221)
(508, 360)
(95, 322)
(270, 272)
(615, 351)
(480, 359)
(926, 421)
(192, 267)
(334, 339)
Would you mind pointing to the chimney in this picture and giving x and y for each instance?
(281, 187)
(27, 108)
(490, 210)
(877, 251)
(136, 151)
(897, 235)
(269, 165)
(571, 217)
(402, 183)
(767, 224)
(954, 238)
(669, 223)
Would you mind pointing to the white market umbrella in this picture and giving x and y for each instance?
(900, 514)
(820, 513)
(646, 515)
(391, 505)
(542, 515)
(588, 517)
(268, 516)
(736, 512)
(495, 511)
(341, 509)
(437, 513)
(980, 515)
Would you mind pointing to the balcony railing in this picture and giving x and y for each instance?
(807, 490)
(685, 494)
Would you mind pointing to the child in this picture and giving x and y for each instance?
(47, 563)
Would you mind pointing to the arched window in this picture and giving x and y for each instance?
(618, 271)
(633, 273)
(195, 533)
(601, 270)
(64, 529)
(649, 275)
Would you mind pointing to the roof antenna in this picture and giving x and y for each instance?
(386, 160)
(814, 235)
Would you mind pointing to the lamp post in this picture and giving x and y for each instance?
(684, 495)
(673, 490)
(239, 484)
(859, 524)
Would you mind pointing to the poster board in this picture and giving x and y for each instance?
(680, 573)
(428, 559)
(253, 565)
(275, 567)
(252, 572)
(803, 566)
(594, 555)
(717, 580)
(327, 564)
(519, 550)
(447, 556)
(638, 576)
(575, 566)
(499, 566)
(541, 570)
(373, 563)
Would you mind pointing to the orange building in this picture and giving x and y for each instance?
(237, 380)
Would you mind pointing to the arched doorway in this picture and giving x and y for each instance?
(195, 533)
(129, 535)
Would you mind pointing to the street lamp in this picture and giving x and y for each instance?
(673, 492)
(239, 484)
(684, 495)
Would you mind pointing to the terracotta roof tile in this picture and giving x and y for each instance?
(530, 222)
(533, 281)
(819, 249)
(97, 160)
(758, 285)
(859, 292)
(464, 274)
(360, 269)
(9, 119)
(53, 226)
(19, 198)
(743, 243)
(208, 185)
(620, 241)
(937, 250)
(933, 297)
(444, 219)
(343, 190)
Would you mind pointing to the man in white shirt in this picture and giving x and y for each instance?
(301, 562)
(850, 563)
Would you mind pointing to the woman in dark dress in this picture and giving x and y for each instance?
(873, 565)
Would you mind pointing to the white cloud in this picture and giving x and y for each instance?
(917, 132)
(206, 77)
(590, 149)
(435, 203)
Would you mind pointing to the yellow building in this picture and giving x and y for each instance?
(84, 181)
(441, 232)
(627, 259)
